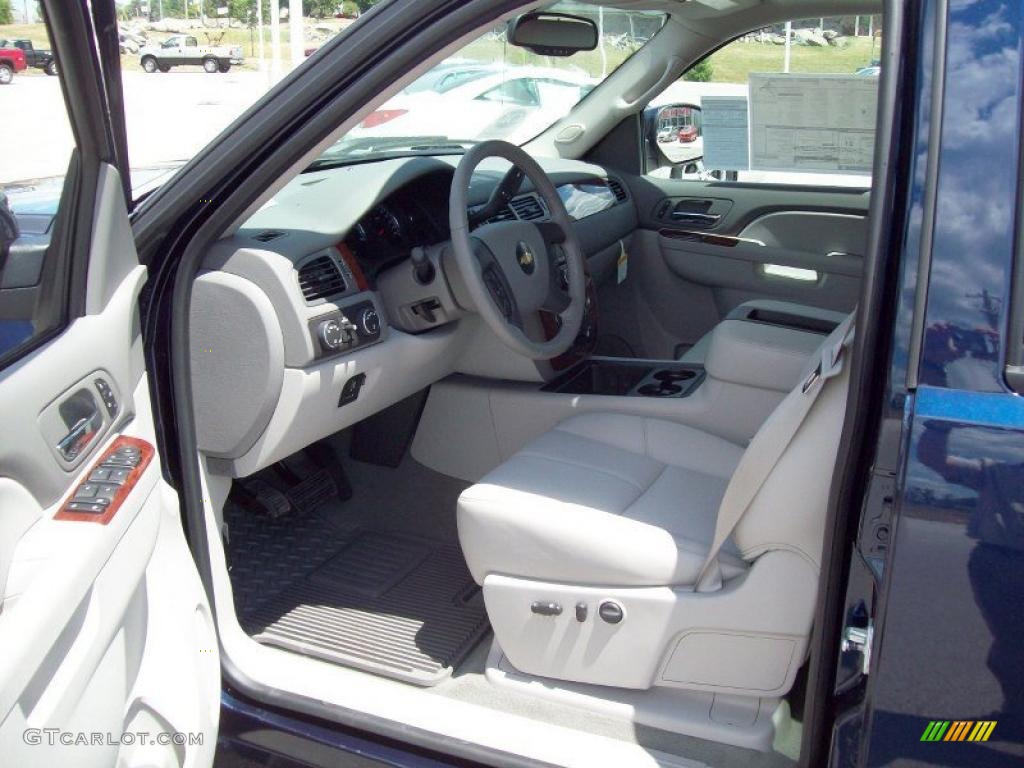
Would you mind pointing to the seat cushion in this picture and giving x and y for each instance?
(602, 499)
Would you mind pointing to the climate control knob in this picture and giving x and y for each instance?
(369, 322)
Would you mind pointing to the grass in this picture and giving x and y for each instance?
(731, 64)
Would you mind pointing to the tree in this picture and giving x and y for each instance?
(701, 72)
(6, 14)
(320, 8)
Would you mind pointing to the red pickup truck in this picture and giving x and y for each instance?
(11, 60)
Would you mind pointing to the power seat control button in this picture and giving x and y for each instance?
(546, 608)
(611, 612)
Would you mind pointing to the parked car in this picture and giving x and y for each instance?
(39, 58)
(513, 104)
(185, 50)
(450, 74)
(412, 459)
(688, 134)
(11, 60)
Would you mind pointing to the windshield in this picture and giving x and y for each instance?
(493, 90)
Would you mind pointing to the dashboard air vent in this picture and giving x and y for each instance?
(528, 208)
(268, 235)
(505, 214)
(618, 189)
(320, 278)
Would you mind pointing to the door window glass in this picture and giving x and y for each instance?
(35, 148)
(789, 104)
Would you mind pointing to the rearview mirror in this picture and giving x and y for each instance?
(553, 34)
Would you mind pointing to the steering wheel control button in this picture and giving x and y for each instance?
(611, 612)
(369, 322)
(350, 391)
(546, 608)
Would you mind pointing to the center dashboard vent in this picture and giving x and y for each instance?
(618, 190)
(505, 214)
(527, 208)
(321, 277)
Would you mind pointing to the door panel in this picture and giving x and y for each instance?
(105, 627)
(706, 247)
(109, 654)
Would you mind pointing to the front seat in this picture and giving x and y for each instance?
(634, 552)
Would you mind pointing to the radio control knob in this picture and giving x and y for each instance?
(369, 322)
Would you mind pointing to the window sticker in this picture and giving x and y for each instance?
(812, 122)
(725, 128)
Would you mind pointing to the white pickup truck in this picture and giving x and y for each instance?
(185, 49)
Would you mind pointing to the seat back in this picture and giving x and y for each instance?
(788, 512)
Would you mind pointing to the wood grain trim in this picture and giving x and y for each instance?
(725, 241)
(146, 452)
(353, 265)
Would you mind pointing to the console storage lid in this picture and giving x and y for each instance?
(759, 354)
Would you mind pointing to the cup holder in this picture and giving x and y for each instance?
(670, 377)
(660, 390)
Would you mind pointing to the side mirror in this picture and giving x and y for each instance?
(553, 34)
(8, 230)
(674, 138)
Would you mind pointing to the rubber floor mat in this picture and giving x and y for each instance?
(399, 606)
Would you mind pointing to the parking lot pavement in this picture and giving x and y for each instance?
(170, 116)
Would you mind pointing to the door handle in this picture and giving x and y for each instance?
(79, 436)
(704, 219)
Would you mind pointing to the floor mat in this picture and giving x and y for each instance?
(401, 606)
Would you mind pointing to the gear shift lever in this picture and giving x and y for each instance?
(423, 268)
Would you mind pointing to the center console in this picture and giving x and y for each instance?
(618, 377)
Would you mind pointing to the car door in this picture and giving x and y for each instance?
(173, 50)
(792, 231)
(190, 53)
(108, 652)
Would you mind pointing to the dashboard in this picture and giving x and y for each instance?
(313, 316)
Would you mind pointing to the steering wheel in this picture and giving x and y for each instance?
(510, 267)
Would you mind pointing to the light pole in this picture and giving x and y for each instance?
(295, 36)
(275, 40)
(789, 38)
(259, 27)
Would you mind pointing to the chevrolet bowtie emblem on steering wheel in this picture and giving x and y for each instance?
(525, 257)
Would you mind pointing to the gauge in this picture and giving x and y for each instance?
(359, 234)
(386, 224)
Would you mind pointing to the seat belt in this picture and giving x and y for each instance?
(767, 448)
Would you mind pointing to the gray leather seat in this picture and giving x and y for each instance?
(623, 509)
(602, 498)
